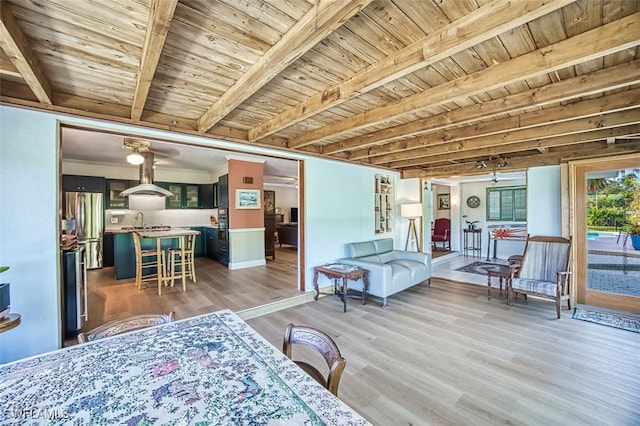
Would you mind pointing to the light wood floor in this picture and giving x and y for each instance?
(445, 355)
(216, 288)
(436, 355)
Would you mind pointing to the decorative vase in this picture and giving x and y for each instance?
(635, 241)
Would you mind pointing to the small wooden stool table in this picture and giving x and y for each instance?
(336, 271)
(500, 271)
(9, 321)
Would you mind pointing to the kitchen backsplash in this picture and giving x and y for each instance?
(155, 213)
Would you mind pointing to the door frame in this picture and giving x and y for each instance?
(578, 171)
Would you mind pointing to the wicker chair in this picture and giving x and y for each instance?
(124, 325)
(324, 344)
(543, 271)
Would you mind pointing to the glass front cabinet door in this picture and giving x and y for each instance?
(384, 201)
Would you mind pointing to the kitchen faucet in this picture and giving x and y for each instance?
(141, 218)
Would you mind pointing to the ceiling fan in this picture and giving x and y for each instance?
(138, 146)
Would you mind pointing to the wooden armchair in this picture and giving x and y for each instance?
(441, 233)
(543, 271)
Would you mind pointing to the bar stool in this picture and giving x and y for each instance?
(175, 260)
(147, 259)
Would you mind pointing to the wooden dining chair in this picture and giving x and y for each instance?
(188, 263)
(322, 343)
(147, 259)
(120, 326)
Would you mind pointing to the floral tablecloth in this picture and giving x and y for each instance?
(211, 369)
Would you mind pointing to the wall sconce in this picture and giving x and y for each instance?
(454, 201)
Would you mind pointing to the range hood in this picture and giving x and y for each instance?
(146, 186)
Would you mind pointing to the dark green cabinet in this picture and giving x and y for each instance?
(211, 235)
(207, 196)
(185, 195)
(223, 191)
(113, 199)
(75, 183)
(107, 250)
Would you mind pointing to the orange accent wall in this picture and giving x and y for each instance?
(245, 218)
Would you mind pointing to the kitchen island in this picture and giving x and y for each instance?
(124, 251)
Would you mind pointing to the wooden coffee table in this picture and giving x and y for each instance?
(338, 271)
(500, 271)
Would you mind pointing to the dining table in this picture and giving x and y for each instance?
(212, 369)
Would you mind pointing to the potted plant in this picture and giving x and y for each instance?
(633, 220)
(470, 223)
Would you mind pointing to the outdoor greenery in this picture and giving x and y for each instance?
(614, 203)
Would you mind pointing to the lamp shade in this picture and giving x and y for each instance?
(411, 210)
(135, 158)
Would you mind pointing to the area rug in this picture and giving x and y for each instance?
(479, 268)
(610, 319)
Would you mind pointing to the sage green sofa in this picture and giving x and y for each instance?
(390, 271)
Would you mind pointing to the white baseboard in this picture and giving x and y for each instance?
(279, 305)
(247, 264)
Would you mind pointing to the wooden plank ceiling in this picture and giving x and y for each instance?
(430, 88)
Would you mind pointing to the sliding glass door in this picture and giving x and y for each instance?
(606, 196)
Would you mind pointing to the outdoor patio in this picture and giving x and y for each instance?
(614, 265)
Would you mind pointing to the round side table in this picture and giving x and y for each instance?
(9, 321)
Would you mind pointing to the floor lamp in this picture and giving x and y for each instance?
(412, 212)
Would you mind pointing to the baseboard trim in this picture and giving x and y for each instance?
(247, 264)
(279, 305)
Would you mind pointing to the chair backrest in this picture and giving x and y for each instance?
(136, 322)
(191, 242)
(321, 342)
(441, 225)
(544, 257)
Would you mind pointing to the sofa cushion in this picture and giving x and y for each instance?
(365, 248)
(416, 269)
(384, 245)
(372, 259)
(399, 275)
(389, 256)
(543, 287)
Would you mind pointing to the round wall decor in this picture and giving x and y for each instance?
(473, 201)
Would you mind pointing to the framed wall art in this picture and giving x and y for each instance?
(247, 198)
(443, 202)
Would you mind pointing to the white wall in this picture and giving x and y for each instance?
(339, 209)
(545, 214)
(28, 230)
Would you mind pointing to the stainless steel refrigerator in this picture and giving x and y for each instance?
(86, 209)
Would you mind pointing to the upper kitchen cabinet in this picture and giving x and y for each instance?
(114, 187)
(207, 196)
(75, 183)
(223, 191)
(185, 195)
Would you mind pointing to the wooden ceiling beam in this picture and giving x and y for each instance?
(160, 16)
(7, 67)
(616, 119)
(552, 157)
(486, 22)
(607, 39)
(540, 145)
(321, 20)
(15, 45)
(612, 78)
(495, 129)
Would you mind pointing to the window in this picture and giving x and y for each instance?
(507, 203)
